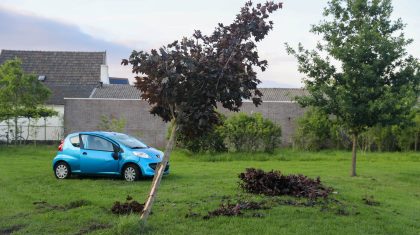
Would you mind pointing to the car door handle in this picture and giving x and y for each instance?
(84, 153)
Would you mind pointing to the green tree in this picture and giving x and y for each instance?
(185, 80)
(19, 91)
(360, 72)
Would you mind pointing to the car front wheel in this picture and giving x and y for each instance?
(62, 170)
(131, 173)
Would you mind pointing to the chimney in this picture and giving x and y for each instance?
(104, 74)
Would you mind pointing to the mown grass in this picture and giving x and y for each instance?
(198, 183)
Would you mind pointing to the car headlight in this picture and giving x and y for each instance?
(141, 154)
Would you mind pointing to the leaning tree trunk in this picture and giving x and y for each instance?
(353, 159)
(158, 174)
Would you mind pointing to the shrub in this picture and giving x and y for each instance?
(313, 131)
(316, 130)
(250, 133)
(211, 141)
(274, 183)
(407, 134)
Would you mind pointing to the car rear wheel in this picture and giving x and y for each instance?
(62, 170)
(131, 173)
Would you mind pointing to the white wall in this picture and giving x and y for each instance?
(54, 127)
(104, 74)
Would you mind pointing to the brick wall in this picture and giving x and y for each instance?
(85, 115)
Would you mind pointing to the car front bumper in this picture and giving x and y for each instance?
(149, 170)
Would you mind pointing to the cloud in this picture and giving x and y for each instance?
(22, 30)
(29, 32)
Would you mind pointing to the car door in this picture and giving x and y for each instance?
(96, 155)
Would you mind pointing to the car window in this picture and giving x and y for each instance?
(96, 143)
(75, 141)
(130, 141)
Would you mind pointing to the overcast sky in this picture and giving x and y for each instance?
(119, 26)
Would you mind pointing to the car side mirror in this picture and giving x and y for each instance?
(116, 155)
(118, 149)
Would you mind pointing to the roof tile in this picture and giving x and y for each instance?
(68, 74)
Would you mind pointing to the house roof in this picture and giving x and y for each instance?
(282, 94)
(116, 91)
(67, 74)
(130, 92)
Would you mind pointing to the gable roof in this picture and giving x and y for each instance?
(282, 94)
(116, 91)
(68, 74)
(131, 92)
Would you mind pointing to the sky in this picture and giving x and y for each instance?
(120, 26)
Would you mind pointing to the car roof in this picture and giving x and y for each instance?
(103, 133)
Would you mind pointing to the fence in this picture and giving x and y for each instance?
(36, 133)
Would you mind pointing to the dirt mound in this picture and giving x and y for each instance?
(128, 207)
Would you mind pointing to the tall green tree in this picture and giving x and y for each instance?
(19, 91)
(360, 71)
(184, 81)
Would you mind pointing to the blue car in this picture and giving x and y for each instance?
(105, 153)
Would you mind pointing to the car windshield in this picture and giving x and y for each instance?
(130, 142)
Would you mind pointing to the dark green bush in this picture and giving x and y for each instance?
(314, 131)
(252, 133)
(209, 142)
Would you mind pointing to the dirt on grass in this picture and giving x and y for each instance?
(92, 227)
(369, 200)
(128, 207)
(12, 229)
(236, 209)
(43, 205)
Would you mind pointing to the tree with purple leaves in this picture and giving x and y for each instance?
(185, 80)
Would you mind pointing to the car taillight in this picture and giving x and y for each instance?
(60, 147)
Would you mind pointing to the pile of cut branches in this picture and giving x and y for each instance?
(274, 183)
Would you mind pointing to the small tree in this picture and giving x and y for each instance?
(112, 124)
(20, 91)
(376, 82)
(184, 80)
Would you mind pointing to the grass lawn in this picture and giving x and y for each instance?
(198, 184)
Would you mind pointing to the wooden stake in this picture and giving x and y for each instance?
(158, 175)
